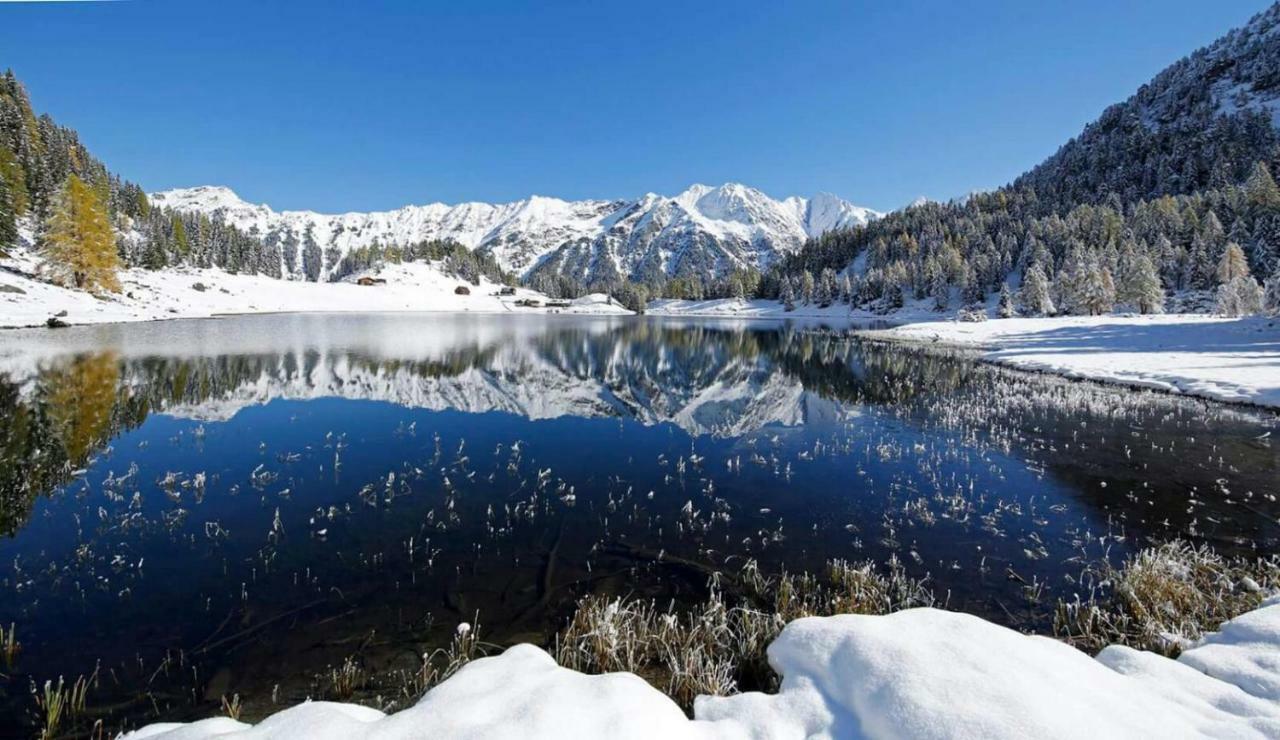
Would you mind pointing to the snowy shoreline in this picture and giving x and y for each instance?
(1229, 360)
(192, 293)
(1210, 357)
(920, 673)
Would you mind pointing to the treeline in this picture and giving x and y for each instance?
(453, 259)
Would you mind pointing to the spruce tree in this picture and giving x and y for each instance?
(1035, 298)
(1006, 308)
(8, 220)
(1271, 296)
(78, 239)
(1238, 293)
(1139, 285)
(788, 296)
(1261, 190)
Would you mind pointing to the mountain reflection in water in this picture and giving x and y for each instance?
(260, 493)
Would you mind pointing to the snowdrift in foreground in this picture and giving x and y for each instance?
(921, 673)
(1207, 356)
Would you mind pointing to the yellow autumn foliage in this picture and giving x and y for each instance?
(79, 241)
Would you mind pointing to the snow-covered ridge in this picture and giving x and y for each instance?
(740, 225)
(919, 673)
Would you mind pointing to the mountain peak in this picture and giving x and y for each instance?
(719, 228)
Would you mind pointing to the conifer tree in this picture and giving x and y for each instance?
(807, 285)
(8, 221)
(1006, 308)
(78, 239)
(1261, 190)
(1271, 296)
(1139, 285)
(1232, 265)
(1240, 297)
(1035, 297)
(1238, 293)
(1098, 294)
(788, 296)
(14, 179)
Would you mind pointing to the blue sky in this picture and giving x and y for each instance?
(370, 105)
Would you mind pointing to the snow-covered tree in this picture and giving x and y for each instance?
(824, 293)
(1098, 292)
(1035, 298)
(1006, 308)
(1232, 265)
(1139, 284)
(1271, 296)
(1238, 293)
(807, 286)
(1242, 296)
(788, 296)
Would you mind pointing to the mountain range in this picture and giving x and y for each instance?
(703, 230)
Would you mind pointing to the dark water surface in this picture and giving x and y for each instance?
(200, 508)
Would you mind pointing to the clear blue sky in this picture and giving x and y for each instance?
(371, 105)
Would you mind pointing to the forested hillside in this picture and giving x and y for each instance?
(88, 222)
(1165, 193)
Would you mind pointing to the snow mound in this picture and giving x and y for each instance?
(920, 673)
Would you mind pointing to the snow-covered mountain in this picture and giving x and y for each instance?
(702, 229)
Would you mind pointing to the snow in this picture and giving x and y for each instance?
(522, 234)
(1235, 360)
(919, 673)
(173, 293)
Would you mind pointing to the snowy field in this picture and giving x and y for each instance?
(1212, 357)
(197, 293)
(920, 673)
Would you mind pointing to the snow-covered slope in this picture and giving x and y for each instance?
(703, 227)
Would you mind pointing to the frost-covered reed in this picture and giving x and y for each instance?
(715, 647)
(1163, 598)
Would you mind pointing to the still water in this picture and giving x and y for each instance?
(200, 508)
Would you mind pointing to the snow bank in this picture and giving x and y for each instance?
(920, 673)
(196, 293)
(1208, 356)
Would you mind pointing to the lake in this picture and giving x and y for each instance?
(194, 509)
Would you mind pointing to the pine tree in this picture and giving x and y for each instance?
(1098, 292)
(788, 296)
(1232, 265)
(15, 179)
(1139, 285)
(807, 286)
(1242, 296)
(1271, 296)
(78, 239)
(8, 220)
(1035, 297)
(825, 290)
(1261, 190)
(941, 292)
(1006, 308)
(1238, 293)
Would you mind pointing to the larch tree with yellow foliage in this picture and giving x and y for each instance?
(79, 241)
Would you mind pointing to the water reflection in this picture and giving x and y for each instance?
(260, 492)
